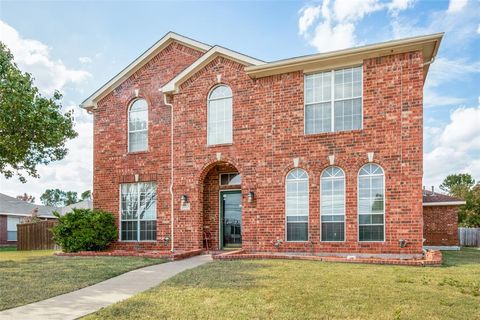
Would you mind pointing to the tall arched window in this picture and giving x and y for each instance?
(332, 204)
(219, 126)
(138, 126)
(371, 203)
(296, 205)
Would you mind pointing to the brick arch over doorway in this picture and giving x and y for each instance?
(211, 202)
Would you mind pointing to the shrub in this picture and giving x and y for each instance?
(84, 230)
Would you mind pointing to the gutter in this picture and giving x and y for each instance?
(444, 203)
(172, 246)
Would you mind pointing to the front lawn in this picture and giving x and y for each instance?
(282, 289)
(29, 276)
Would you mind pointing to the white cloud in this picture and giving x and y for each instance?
(331, 25)
(478, 29)
(34, 57)
(456, 5)
(456, 147)
(85, 60)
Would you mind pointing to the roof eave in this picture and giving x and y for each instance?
(90, 103)
(429, 45)
(444, 203)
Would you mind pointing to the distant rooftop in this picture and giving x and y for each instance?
(14, 206)
(436, 198)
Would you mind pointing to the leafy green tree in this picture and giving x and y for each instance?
(458, 185)
(71, 197)
(33, 130)
(26, 197)
(463, 186)
(86, 195)
(58, 198)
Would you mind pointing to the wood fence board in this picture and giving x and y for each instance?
(36, 236)
(469, 237)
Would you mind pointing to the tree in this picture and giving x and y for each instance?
(58, 198)
(463, 186)
(33, 130)
(26, 197)
(458, 185)
(86, 195)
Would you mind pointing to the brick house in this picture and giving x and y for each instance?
(319, 154)
(440, 220)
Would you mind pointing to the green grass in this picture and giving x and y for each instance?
(29, 276)
(7, 248)
(282, 289)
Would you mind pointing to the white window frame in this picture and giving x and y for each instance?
(344, 205)
(208, 114)
(384, 206)
(136, 131)
(332, 100)
(138, 216)
(308, 207)
(18, 219)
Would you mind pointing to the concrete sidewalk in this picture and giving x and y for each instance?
(90, 299)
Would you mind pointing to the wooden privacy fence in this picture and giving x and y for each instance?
(36, 236)
(469, 237)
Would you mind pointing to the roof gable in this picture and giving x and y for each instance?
(217, 51)
(161, 44)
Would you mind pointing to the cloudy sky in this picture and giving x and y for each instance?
(77, 46)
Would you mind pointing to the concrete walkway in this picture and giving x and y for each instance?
(90, 299)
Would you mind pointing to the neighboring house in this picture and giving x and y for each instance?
(440, 220)
(318, 154)
(12, 211)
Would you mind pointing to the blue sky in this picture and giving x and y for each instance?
(77, 46)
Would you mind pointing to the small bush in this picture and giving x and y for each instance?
(85, 230)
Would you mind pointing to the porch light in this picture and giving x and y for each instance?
(250, 196)
(184, 198)
(402, 243)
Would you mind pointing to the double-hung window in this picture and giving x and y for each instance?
(296, 204)
(138, 126)
(371, 203)
(12, 228)
(219, 122)
(332, 204)
(138, 211)
(333, 101)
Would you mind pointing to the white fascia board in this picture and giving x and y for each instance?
(445, 203)
(24, 215)
(91, 101)
(172, 85)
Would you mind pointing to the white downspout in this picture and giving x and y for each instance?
(172, 247)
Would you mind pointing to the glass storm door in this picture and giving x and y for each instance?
(231, 219)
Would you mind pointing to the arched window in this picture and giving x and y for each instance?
(219, 126)
(332, 204)
(138, 126)
(371, 203)
(296, 205)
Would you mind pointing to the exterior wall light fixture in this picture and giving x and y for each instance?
(251, 194)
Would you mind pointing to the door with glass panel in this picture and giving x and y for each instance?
(231, 219)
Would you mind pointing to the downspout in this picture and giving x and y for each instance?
(172, 247)
(429, 62)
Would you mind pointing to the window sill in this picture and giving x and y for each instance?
(331, 133)
(135, 241)
(137, 152)
(220, 145)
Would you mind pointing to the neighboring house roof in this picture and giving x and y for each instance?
(431, 198)
(84, 204)
(216, 51)
(16, 207)
(140, 62)
(428, 44)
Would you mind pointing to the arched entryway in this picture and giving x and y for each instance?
(222, 206)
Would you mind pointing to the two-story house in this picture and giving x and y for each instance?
(319, 153)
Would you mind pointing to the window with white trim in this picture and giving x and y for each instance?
(296, 205)
(138, 211)
(219, 115)
(371, 203)
(12, 228)
(138, 126)
(332, 204)
(333, 101)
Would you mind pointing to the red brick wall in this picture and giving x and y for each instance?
(440, 225)
(112, 163)
(268, 135)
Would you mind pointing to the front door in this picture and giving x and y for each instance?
(231, 219)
